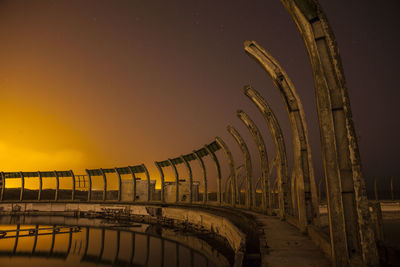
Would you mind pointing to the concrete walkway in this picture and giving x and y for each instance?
(286, 246)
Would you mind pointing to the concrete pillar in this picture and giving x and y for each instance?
(172, 164)
(119, 183)
(134, 182)
(3, 185)
(203, 169)
(73, 185)
(160, 170)
(306, 187)
(57, 185)
(190, 175)
(247, 164)
(263, 156)
(40, 185)
(232, 171)
(104, 184)
(352, 236)
(90, 186)
(280, 149)
(21, 195)
(218, 169)
(146, 172)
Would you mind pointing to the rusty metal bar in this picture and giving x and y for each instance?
(176, 180)
(280, 149)
(190, 174)
(146, 172)
(232, 171)
(160, 170)
(203, 169)
(247, 163)
(263, 156)
(351, 231)
(306, 187)
(218, 169)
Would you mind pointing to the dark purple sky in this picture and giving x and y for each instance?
(86, 84)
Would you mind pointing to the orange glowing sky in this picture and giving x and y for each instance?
(90, 84)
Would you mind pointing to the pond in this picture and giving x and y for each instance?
(95, 242)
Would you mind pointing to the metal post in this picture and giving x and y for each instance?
(134, 182)
(232, 171)
(247, 163)
(119, 184)
(104, 184)
(73, 185)
(57, 185)
(90, 186)
(280, 149)
(149, 197)
(203, 169)
(351, 231)
(218, 169)
(176, 180)
(21, 196)
(190, 174)
(160, 170)
(263, 156)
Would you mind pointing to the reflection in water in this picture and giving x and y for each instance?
(140, 245)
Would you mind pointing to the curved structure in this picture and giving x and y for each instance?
(132, 171)
(247, 163)
(160, 171)
(190, 175)
(262, 152)
(280, 149)
(89, 197)
(204, 172)
(306, 187)
(350, 221)
(21, 195)
(218, 169)
(40, 185)
(232, 173)
(172, 164)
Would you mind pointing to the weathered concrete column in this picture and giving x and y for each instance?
(280, 149)
(203, 169)
(160, 170)
(104, 184)
(134, 182)
(73, 185)
(232, 171)
(90, 186)
(247, 163)
(352, 237)
(119, 183)
(3, 185)
(263, 156)
(21, 195)
(146, 172)
(172, 164)
(306, 187)
(190, 175)
(57, 185)
(218, 169)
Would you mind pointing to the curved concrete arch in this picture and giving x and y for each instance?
(218, 169)
(232, 171)
(306, 188)
(204, 171)
(280, 148)
(73, 185)
(90, 185)
(3, 185)
(146, 172)
(40, 185)
(57, 185)
(119, 184)
(160, 170)
(21, 195)
(247, 163)
(103, 174)
(263, 156)
(349, 217)
(134, 181)
(172, 164)
(190, 174)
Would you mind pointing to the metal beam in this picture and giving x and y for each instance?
(280, 148)
(352, 236)
(232, 171)
(203, 169)
(247, 163)
(218, 169)
(263, 156)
